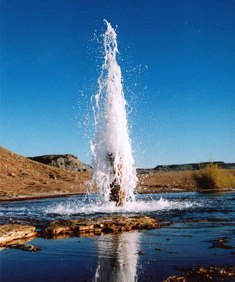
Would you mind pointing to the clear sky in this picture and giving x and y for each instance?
(178, 62)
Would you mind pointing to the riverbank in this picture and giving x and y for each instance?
(24, 179)
(21, 178)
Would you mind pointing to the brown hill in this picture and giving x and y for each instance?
(24, 178)
(67, 162)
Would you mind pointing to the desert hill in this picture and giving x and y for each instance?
(186, 167)
(67, 161)
(24, 178)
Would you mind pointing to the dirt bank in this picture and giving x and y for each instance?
(24, 179)
(21, 178)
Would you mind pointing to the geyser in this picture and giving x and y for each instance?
(113, 162)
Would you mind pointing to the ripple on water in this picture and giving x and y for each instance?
(171, 206)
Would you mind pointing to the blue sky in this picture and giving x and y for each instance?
(178, 63)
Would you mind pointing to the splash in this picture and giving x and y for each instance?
(113, 162)
(96, 206)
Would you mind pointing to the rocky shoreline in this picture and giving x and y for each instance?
(38, 197)
(17, 236)
(10, 234)
(211, 273)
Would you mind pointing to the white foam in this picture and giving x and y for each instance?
(139, 206)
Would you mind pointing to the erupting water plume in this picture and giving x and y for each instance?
(113, 163)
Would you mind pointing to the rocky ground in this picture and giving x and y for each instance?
(204, 274)
(23, 178)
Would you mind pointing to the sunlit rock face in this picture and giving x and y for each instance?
(67, 162)
(9, 233)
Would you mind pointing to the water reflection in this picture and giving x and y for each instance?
(117, 257)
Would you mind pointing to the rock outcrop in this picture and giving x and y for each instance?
(98, 226)
(212, 273)
(25, 247)
(67, 162)
(9, 233)
(16, 235)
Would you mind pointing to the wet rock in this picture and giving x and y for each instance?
(176, 279)
(220, 243)
(202, 270)
(25, 247)
(212, 273)
(108, 230)
(167, 223)
(98, 226)
(12, 232)
(9, 233)
(221, 246)
(60, 227)
(140, 253)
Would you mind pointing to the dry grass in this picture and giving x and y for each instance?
(212, 178)
(167, 180)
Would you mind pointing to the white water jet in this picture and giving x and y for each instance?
(113, 161)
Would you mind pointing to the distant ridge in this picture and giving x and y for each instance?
(183, 167)
(66, 161)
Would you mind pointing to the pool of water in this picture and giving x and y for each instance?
(150, 255)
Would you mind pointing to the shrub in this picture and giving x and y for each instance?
(211, 177)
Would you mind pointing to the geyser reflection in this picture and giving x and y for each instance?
(122, 264)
